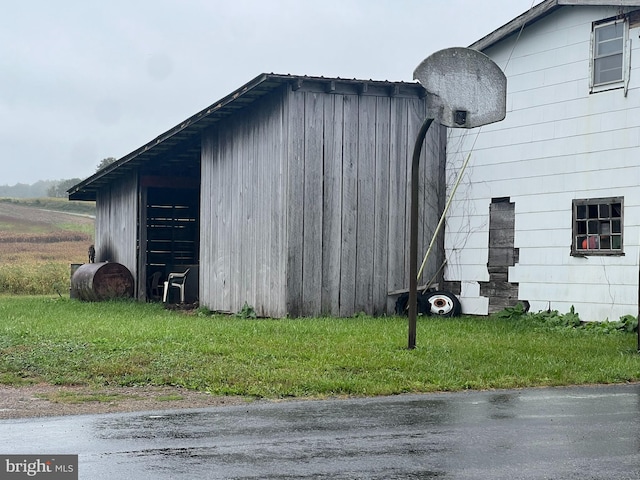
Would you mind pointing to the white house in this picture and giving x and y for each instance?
(549, 209)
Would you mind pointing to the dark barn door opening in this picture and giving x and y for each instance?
(172, 238)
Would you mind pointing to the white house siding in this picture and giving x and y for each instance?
(558, 143)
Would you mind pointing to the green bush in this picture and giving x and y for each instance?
(553, 320)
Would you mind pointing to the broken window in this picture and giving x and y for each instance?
(597, 226)
(608, 54)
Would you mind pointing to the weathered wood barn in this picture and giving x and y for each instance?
(290, 194)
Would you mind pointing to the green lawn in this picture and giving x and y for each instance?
(69, 342)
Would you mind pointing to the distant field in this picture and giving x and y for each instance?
(38, 242)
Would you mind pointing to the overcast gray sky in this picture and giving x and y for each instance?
(82, 80)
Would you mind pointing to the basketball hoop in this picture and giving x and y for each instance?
(465, 89)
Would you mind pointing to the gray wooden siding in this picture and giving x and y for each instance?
(332, 202)
(116, 223)
(305, 202)
(432, 197)
(349, 200)
(241, 238)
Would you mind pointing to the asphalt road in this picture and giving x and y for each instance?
(558, 433)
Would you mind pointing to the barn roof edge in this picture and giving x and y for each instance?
(257, 87)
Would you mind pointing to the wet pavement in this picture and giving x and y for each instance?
(552, 433)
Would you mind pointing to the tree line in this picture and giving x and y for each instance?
(47, 188)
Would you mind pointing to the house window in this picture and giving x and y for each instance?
(597, 226)
(608, 56)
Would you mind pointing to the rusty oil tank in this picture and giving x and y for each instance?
(101, 281)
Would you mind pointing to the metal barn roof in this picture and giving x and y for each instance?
(182, 142)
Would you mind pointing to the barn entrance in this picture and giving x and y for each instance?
(171, 238)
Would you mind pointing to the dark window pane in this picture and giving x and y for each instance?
(604, 211)
(581, 227)
(581, 242)
(592, 227)
(605, 242)
(616, 210)
(581, 211)
(593, 211)
(616, 226)
(616, 242)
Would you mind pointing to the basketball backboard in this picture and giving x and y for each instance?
(466, 88)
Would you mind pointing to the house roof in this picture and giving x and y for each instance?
(183, 141)
(540, 11)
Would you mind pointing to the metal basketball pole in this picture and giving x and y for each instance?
(413, 234)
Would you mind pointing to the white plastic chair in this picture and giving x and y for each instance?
(176, 280)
